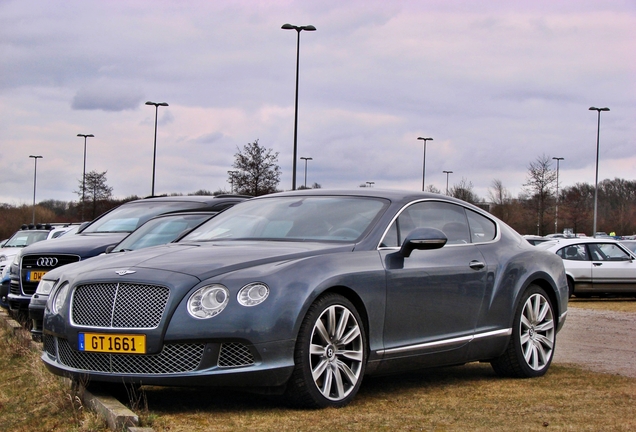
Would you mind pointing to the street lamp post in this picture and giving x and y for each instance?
(298, 30)
(84, 172)
(35, 175)
(447, 173)
(306, 159)
(154, 153)
(556, 206)
(424, 161)
(598, 134)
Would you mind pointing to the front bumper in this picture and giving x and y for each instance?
(232, 363)
(18, 302)
(36, 315)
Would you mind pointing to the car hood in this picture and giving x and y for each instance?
(84, 245)
(205, 260)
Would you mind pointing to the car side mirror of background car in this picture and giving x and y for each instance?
(423, 239)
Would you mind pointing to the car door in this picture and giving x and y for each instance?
(613, 268)
(578, 265)
(433, 296)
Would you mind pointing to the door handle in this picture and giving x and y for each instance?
(597, 264)
(476, 265)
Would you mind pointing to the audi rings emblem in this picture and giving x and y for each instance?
(47, 262)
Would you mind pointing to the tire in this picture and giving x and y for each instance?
(570, 287)
(330, 355)
(531, 347)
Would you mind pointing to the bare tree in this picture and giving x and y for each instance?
(501, 199)
(539, 185)
(257, 170)
(432, 189)
(464, 191)
(96, 191)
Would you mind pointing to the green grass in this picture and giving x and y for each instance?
(625, 304)
(31, 398)
(461, 398)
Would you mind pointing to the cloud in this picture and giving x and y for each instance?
(107, 97)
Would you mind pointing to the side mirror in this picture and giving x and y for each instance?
(423, 239)
(109, 249)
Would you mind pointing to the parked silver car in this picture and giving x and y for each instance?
(596, 266)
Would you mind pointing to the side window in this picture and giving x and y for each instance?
(448, 218)
(482, 229)
(573, 253)
(608, 252)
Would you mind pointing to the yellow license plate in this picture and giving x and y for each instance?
(113, 343)
(35, 276)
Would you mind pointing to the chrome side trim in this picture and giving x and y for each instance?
(445, 342)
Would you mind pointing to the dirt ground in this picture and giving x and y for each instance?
(601, 341)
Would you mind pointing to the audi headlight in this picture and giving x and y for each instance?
(208, 301)
(45, 286)
(56, 302)
(253, 294)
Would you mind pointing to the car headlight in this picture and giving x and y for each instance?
(56, 301)
(208, 301)
(253, 294)
(3, 258)
(16, 258)
(45, 286)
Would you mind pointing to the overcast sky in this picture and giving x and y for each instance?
(496, 84)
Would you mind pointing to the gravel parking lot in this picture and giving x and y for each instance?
(602, 341)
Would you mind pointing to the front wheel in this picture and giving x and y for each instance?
(532, 344)
(330, 355)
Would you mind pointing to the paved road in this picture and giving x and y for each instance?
(601, 341)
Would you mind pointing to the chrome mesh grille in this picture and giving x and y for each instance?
(235, 354)
(174, 358)
(49, 346)
(119, 305)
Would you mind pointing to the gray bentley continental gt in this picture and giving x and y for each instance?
(306, 292)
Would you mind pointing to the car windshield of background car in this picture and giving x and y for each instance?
(324, 218)
(129, 216)
(25, 238)
(159, 231)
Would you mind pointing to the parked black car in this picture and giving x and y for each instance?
(93, 239)
(305, 292)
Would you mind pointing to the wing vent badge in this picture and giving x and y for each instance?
(124, 272)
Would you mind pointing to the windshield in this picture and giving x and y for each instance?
(130, 216)
(332, 218)
(161, 230)
(25, 238)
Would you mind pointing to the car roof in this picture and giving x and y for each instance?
(558, 243)
(393, 195)
(184, 213)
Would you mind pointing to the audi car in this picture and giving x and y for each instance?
(306, 292)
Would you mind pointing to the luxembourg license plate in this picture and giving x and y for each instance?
(35, 276)
(113, 343)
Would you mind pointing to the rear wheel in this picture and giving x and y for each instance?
(531, 346)
(330, 355)
(570, 287)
